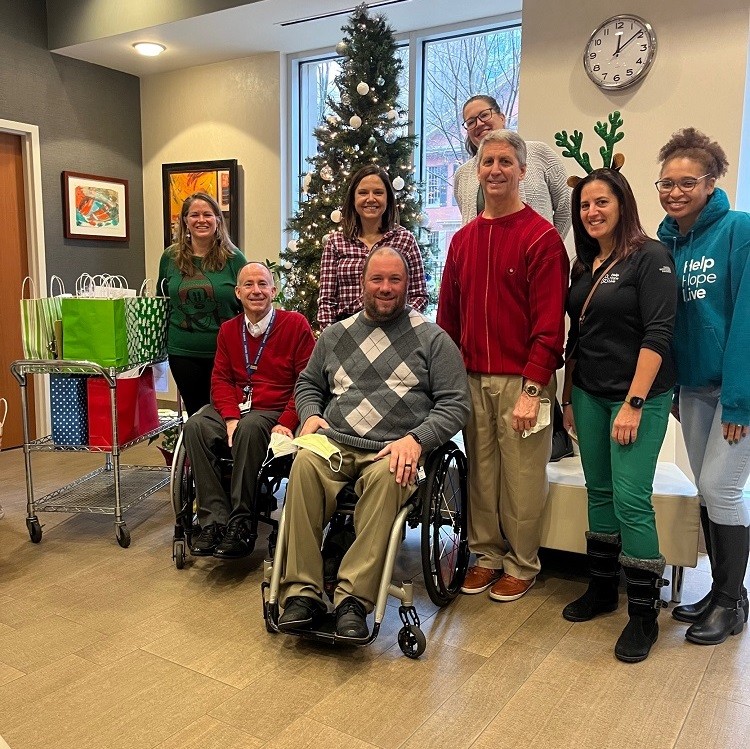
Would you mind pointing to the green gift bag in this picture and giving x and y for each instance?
(38, 317)
(95, 330)
(147, 318)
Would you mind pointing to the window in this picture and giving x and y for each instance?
(437, 183)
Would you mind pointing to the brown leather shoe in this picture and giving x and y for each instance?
(479, 579)
(509, 588)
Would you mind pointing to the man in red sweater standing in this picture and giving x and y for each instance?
(502, 301)
(259, 355)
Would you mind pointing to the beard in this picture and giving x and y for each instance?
(374, 313)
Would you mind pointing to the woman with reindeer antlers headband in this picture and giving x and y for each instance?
(619, 377)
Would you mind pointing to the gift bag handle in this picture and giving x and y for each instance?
(32, 288)
(4, 407)
(146, 288)
(84, 283)
(164, 287)
(59, 283)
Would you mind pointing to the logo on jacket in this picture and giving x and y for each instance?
(695, 278)
(665, 269)
(611, 278)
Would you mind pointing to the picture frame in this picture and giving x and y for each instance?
(219, 179)
(95, 207)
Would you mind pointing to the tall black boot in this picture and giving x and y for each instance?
(725, 614)
(603, 550)
(692, 612)
(644, 581)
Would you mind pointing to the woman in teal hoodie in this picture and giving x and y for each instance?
(711, 248)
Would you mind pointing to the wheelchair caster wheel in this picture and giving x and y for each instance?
(412, 641)
(123, 536)
(178, 554)
(35, 530)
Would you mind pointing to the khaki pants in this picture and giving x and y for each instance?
(310, 503)
(507, 478)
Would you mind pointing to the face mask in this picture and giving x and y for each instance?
(279, 445)
(321, 445)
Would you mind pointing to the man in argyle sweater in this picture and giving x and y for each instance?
(385, 386)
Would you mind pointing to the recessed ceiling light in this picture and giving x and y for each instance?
(149, 49)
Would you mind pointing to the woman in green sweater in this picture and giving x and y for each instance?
(199, 274)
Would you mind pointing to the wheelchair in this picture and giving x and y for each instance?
(439, 506)
(182, 489)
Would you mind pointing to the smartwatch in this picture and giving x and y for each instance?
(415, 438)
(636, 402)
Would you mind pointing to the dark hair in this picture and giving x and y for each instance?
(690, 143)
(350, 221)
(629, 234)
(221, 248)
(492, 104)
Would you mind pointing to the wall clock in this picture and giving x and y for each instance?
(620, 52)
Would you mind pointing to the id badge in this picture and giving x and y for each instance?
(247, 405)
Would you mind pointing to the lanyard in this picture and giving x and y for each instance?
(594, 287)
(252, 367)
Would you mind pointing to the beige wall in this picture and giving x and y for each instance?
(228, 110)
(698, 78)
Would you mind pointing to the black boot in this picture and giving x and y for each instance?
(725, 614)
(644, 582)
(603, 551)
(692, 612)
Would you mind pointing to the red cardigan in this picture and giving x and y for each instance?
(502, 298)
(287, 350)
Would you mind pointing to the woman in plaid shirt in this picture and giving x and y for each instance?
(369, 220)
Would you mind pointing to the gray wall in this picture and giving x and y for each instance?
(89, 121)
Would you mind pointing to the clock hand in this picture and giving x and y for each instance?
(617, 51)
(629, 40)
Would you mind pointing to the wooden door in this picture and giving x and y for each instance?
(15, 265)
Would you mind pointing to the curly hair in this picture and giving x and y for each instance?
(350, 220)
(221, 248)
(690, 143)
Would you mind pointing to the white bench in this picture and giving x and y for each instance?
(675, 501)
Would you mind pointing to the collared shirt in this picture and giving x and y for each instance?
(257, 329)
(340, 289)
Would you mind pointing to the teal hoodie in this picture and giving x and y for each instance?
(712, 325)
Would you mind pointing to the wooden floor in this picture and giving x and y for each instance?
(109, 648)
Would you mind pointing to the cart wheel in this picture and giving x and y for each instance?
(35, 530)
(178, 554)
(412, 641)
(123, 536)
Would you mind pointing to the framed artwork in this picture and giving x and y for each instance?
(215, 178)
(95, 207)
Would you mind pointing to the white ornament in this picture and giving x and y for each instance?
(333, 120)
(336, 216)
(326, 237)
(362, 88)
(287, 265)
(391, 136)
(292, 245)
(355, 121)
(326, 173)
(398, 184)
(306, 180)
(392, 114)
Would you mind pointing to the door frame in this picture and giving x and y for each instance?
(37, 258)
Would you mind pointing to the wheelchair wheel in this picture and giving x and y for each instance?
(445, 549)
(412, 641)
(183, 493)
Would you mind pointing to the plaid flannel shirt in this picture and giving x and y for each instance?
(340, 290)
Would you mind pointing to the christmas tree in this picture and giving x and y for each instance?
(365, 127)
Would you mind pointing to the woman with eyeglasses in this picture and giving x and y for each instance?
(544, 187)
(711, 248)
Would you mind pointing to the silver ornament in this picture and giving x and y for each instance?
(342, 48)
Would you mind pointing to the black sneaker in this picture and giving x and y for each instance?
(236, 542)
(562, 446)
(351, 620)
(300, 612)
(207, 540)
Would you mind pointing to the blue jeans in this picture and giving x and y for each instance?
(721, 470)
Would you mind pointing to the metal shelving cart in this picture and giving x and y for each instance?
(109, 490)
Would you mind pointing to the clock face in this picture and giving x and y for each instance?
(620, 52)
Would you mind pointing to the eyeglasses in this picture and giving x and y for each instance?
(484, 116)
(686, 185)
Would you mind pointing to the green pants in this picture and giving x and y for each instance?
(620, 478)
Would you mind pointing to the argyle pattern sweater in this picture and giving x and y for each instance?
(375, 382)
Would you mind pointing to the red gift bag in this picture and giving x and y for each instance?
(137, 411)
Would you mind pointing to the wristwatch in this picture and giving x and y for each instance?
(636, 402)
(532, 390)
